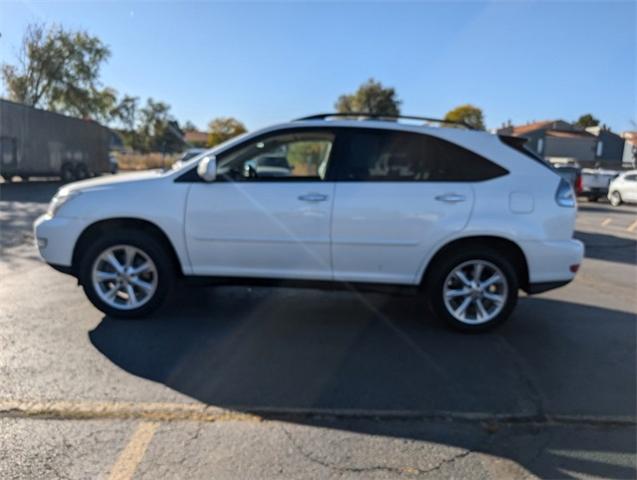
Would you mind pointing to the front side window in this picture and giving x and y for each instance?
(378, 155)
(291, 156)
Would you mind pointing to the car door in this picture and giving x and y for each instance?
(273, 223)
(397, 196)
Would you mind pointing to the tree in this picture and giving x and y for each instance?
(189, 126)
(587, 120)
(158, 131)
(468, 114)
(224, 128)
(127, 113)
(371, 97)
(59, 70)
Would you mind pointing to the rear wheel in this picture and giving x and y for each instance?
(67, 173)
(81, 172)
(615, 199)
(473, 290)
(126, 273)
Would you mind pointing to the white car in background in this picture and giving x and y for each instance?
(623, 189)
(465, 218)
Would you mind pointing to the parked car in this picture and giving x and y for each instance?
(190, 153)
(268, 166)
(594, 182)
(467, 219)
(623, 189)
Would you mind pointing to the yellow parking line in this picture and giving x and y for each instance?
(606, 221)
(133, 453)
(632, 227)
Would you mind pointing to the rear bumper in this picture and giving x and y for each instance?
(551, 262)
(534, 288)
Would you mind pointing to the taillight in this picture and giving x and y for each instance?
(565, 197)
(578, 184)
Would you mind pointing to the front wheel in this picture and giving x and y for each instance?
(615, 199)
(126, 273)
(473, 290)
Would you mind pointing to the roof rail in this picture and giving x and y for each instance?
(365, 116)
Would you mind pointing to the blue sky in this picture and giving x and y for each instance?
(266, 62)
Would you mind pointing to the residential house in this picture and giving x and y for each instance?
(610, 147)
(196, 139)
(629, 159)
(557, 141)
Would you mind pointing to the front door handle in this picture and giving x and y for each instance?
(313, 197)
(451, 198)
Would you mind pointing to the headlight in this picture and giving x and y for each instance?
(58, 200)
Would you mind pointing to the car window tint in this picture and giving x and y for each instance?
(402, 156)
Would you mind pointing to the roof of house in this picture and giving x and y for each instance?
(630, 136)
(531, 127)
(569, 134)
(196, 136)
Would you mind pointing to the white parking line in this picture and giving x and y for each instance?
(606, 221)
(632, 227)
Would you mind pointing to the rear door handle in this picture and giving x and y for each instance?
(451, 198)
(313, 197)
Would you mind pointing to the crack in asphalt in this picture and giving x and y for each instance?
(371, 468)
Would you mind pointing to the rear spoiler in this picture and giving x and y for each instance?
(519, 144)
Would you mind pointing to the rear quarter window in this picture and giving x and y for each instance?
(379, 155)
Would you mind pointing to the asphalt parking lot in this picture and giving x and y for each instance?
(238, 382)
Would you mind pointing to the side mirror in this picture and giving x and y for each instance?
(207, 168)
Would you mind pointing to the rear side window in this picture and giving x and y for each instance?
(377, 155)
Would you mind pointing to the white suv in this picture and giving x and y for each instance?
(465, 217)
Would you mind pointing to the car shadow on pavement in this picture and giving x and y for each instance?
(611, 248)
(344, 355)
(597, 208)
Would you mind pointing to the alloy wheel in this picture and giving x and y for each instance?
(124, 277)
(475, 292)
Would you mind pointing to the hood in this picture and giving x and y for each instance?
(107, 181)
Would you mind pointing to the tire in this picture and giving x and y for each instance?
(593, 199)
(441, 280)
(160, 276)
(67, 173)
(615, 199)
(81, 172)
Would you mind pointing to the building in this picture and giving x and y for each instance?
(629, 158)
(195, 138)
(557, 141)
(610, 147)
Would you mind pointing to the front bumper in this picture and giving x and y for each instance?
(55, 238)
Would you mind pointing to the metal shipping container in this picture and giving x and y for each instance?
(36, 142)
